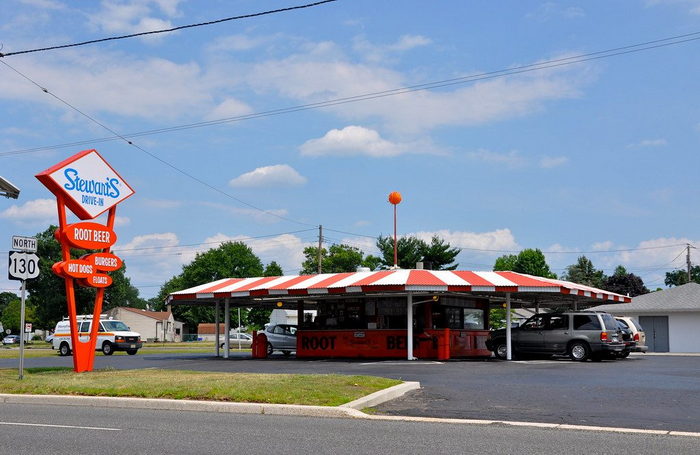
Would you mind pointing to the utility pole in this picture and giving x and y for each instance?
(687, 260)
(320, 243)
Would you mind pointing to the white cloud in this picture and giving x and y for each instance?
(268, 176)
(45, 4)
(319, 77)
(548, 162)
(229, 108)
(378, 52)
(692, 5)
(135, 16)
(240, 43)
(357, 140)
(646, 143)
(37, 211)
(512, 159)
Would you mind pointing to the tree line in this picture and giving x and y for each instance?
(46, 303)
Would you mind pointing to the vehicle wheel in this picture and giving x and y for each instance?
(287, 353)
(269, 348)
(501, 350)
(579, 351)
(107, 348)
(132, 351)
(63, 350)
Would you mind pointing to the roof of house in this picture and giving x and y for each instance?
(675, 299)
(158, 315)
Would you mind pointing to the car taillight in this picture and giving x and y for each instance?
(636, 337)
(604, 337)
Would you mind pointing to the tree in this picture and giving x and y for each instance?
(436, 255)
(48, 294)
(529, 261)
(228, 260)
(625, 283)
(680, 277)
(11, 316)
(337, 259)
(273, 269)
(583, 272)
(5, 299)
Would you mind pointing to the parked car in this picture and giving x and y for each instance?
(245, 340)
(11, 339)
(112, 335)
(637, 331)
(627, 338)
(49, 338)
(580, 335)
(281, 337)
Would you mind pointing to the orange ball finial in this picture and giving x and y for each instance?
(395, 197)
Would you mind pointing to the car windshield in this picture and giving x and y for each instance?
(115, 326)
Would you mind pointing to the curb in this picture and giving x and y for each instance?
(348, 410)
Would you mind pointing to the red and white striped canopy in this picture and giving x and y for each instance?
(399, 281)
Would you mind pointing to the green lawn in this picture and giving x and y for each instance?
(321, 390)
(40, 349)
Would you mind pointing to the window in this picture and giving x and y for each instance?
(534, 323)
(623, 323)
(586, 322)
(454, 318)
(115, 326)
(473, 318)
(609, 321)
(558, 322)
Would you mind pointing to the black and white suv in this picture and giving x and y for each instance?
(580, 335)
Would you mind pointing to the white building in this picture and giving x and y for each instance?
(670, 318)
(152, 325)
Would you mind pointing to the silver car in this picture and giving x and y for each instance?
(236, 339)
(281, 337)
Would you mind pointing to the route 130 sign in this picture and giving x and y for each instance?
(23, 266)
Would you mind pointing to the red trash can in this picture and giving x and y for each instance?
(259, 347)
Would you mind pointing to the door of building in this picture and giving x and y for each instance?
(656, 330)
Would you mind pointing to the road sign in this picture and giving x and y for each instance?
(21, 243)
(27, 327)
(23, 266)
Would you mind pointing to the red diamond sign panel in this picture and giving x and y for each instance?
(88, 185)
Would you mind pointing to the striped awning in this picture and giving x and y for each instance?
(391, 281)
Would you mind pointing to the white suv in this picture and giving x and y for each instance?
(638, 334)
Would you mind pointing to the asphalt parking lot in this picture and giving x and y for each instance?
(643, 391)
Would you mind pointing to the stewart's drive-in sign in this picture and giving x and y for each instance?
(87, 186)
(90, 185)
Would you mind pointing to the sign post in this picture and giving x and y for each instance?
(23, 266)
(86, 185)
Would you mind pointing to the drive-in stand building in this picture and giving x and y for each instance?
(393, 313)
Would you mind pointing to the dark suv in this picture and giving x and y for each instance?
(580, 335)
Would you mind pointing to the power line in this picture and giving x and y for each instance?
(573, 252)
(168, 30)
(547, 64)
(152, 155)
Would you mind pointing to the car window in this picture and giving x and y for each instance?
(609, 321)
(292, 330)
(623, 323)
(278, 329)
(637, 325)
(558, 321)
(534, 323)
(84, 326)
(586, 322)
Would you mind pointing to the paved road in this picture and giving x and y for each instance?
(110, 430)
(650, 392)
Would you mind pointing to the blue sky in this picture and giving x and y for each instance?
(590, 157)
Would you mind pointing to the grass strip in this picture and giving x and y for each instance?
(305, 389)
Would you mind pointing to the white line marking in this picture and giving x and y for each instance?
(58, 426)
(403, 363)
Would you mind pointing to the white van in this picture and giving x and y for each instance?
(112, 335)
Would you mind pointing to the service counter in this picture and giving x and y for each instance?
(439, 344)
